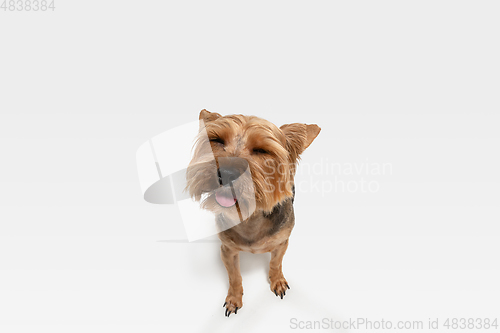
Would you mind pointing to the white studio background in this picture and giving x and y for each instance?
(409, 85)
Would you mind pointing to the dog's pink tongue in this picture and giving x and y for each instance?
(224, 198)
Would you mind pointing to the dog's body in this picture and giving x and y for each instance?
(239, 143)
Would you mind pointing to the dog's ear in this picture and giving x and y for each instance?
(299, 137)
(208, 116)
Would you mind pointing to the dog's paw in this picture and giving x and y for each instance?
(232, 304)
(279, 286)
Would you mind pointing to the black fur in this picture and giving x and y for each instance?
(282, 214)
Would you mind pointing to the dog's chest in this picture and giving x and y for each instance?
(258, 235)
(266, 244)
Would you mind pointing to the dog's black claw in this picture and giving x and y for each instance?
(229, 314)
(281, 295)
(275, 292)
(284, 293)
(236, 311)
(226, 312)
(224, 304)
(287, 286)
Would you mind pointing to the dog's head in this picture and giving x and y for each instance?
(245, 161)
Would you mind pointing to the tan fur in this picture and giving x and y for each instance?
(271, 154)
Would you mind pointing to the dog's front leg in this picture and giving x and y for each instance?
(278, 283)
(234, 299)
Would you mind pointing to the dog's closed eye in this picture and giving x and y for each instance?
(217, 140)
(260, 151)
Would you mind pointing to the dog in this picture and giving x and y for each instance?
(243, 170)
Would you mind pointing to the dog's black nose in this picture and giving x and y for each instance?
(228, 174)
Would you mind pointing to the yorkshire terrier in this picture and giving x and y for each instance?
(253, 209)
